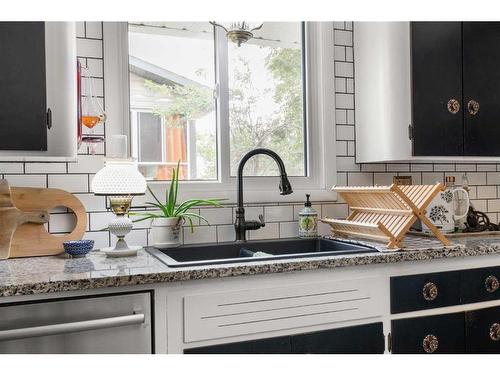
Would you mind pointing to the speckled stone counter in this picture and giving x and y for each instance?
(25, 276)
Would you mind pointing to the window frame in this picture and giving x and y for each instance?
(320, 119)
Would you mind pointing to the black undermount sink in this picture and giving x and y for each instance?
(237, 252)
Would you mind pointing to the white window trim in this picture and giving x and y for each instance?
(320, 120)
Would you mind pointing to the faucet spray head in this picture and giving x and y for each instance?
(285, 185)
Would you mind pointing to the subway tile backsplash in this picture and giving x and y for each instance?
(484, 179)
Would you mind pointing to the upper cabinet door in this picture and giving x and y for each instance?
(23, 98)
(436, 61)
(481, 81)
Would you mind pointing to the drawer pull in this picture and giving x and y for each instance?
(491, 284)
(453, 106)
(473, 107)
(72, 327)
(430, 343)
(430, 291)
(495, 332)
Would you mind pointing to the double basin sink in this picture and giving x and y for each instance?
(255, 251)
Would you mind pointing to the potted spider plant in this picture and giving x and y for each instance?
(166, 222)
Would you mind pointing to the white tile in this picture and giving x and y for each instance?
(350, 117)
(349, 54)
(202, 234)
(340, 116)
(45, 168)
(373, 167)
(493, 205)
(339, 53)
(416, 178)
(432, 178)
(80, 29)
(271, 230)
(86, 164)
(278, 213)
(289, 229)
(93, 30)
(100, 220)
(485, 192)
(486, 167)
(214, 216)
(62, 223)
(101, 239)
(399, 167)
(77, 183)
(251, 213)
(343, 38)
(493, 178)
(340, 85)
(226, 233)
(383, 179)
(341, 179)
(344, 69)
(476, 178)
(32, 180)
(347, 164)
(351, 148)
(11, 168)
(360, 179)
(324, 229)
(481, 205)
(348, 25)
(344, 101)
(95, 67)
(143, 224)
(335, 211)
(345, 132)
(89, 48)
(444, 167)
(341, 148)
(421, 167)
(465, 167)
(97, 89)
(92, 202)
(350, 85)
(339, 25)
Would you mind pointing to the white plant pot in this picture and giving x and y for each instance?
(165, 232)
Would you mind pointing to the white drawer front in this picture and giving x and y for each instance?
(248, 311)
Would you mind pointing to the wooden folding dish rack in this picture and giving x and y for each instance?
(385, 213)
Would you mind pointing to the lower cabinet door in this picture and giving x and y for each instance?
(483, 330)
(430, 334)
(364, 339)
(367, 339)
(274, 345)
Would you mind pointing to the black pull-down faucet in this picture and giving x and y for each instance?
(241, 225)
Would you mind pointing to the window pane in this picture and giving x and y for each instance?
(149, 131)
(266, 106)
(172, 77)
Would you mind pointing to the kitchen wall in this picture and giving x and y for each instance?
(281, 218)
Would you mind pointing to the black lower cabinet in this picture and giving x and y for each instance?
(274, 345)
(483, 331)
(363, 339)
(442, 334)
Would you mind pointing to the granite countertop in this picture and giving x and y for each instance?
(27, 276)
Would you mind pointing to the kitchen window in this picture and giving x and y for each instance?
(196, 97)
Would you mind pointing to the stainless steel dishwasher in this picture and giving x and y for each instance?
(119, 323)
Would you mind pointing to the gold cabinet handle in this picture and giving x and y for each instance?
(430, 343)
(491, 284)
(430, 291)
(495, 332)
(453, 106)
(473, 107)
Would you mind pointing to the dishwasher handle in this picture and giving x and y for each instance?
(72, 327)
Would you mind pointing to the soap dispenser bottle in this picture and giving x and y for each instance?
(308, 220)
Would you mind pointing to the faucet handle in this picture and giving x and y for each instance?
(261, 219)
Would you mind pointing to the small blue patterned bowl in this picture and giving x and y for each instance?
(78, 248)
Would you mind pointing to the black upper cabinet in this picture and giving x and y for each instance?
(455, 88)
(481, 82)
(437, 80)
(23, 98)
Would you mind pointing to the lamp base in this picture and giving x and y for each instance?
(115, 253)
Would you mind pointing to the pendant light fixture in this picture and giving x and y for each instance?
(239, 32)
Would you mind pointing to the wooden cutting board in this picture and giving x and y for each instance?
(32, 239)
